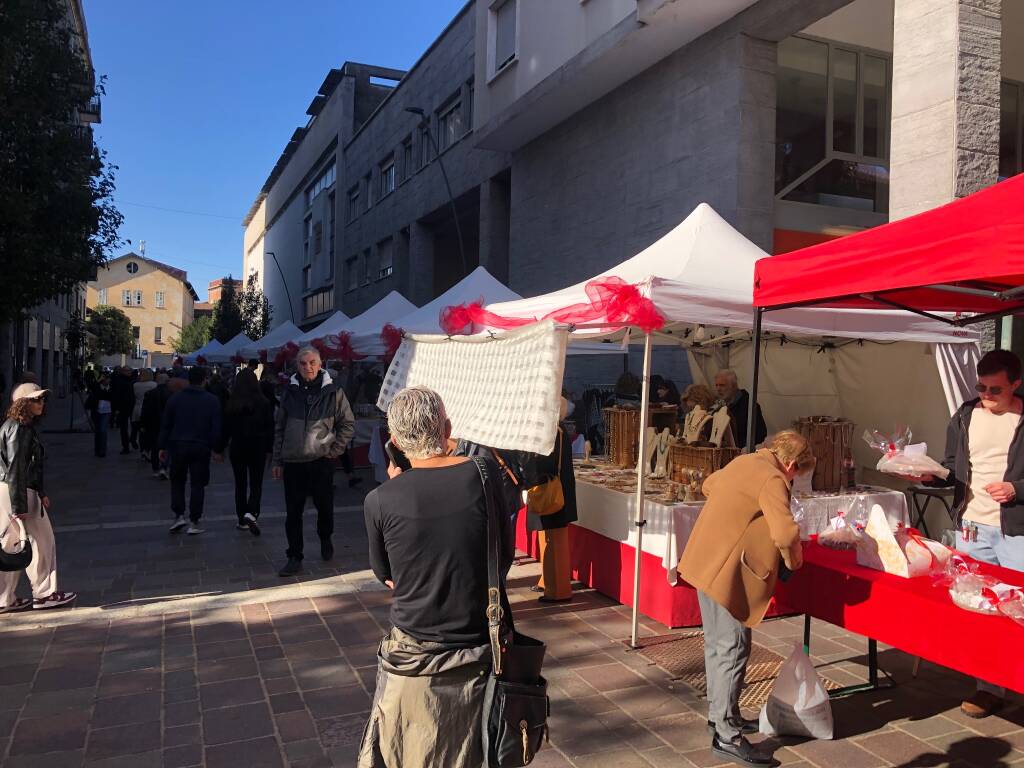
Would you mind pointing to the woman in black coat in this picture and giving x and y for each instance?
(249, 430)
(556, 574)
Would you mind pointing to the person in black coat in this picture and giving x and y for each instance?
(249, 432)
(553, 529)
(123, 403)
(738, 402)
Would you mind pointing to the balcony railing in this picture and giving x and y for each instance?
(91, 112)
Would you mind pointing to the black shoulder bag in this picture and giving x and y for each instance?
(19, 559)
(516, 703)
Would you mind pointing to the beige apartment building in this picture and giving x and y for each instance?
(158, 299)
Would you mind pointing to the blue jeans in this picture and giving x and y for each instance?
(992, 547)
(99, 438)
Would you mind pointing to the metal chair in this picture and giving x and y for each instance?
(921, 496)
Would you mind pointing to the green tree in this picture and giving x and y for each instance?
(111, 331)
(57, 217)
(227, 314)
(193, 336)
(256, 310)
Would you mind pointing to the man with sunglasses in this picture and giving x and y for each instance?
(985, 457)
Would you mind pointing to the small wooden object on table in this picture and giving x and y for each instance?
(697, 457)
(831, 441)
(622, 431)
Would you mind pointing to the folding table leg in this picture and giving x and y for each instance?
(807, 634)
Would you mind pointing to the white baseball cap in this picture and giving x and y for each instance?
(29, 390)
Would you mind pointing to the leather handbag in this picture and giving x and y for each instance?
(20, 559)
(548, 498)
(516, 705)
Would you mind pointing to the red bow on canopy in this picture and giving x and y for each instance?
(263, 356)
(201, 360)
(285, 355)
(392, 338)
(611, 300)
(237, 359)
(339, 347)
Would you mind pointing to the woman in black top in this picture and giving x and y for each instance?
(427, 529)
(249, 429)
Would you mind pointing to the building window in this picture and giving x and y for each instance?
(318, 238)
(135, 332)
(138, 298)
(126, 298)
(132, 267)
(832, 117)
(160, 299)
(306, 281)
(369, 191)
(385, 259)
(449, 124)
(319, 302)
(158, 335)
(407, 168)
(330, 246)
(387, 176)
(324, 181)
(504, 16)
(307, 235)
(353, 204)
(352, 273)
(102, 298)
(1011, 128)
(424, 144)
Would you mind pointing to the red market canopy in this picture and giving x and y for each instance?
(964, 257)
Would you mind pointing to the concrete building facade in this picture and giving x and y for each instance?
(157, 298)
(598, 126)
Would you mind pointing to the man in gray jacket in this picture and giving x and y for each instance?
(313, 424)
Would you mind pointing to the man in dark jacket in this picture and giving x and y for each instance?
(985, 459)
(189, 431)
(153, 404)
(313, 424)
(122, 396)
(738, 402)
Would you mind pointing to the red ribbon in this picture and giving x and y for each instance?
(285, 355)
(237, 359)
(339, 347)
(263, 356)
(392, 338)
(610, 299)
(201, 360)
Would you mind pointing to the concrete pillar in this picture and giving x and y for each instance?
(494, 227)
(419, 280)
(945, 101)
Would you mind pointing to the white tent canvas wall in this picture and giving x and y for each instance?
(385, 311)
(332, 324)
(230, 348)
(211, 347)
(277, 337)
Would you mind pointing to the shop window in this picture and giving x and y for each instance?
(846, 184)
(1011, 117)
(801, 109)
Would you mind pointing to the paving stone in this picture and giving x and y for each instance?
(181, 694)
(123, 740)
(231, 692)
(182, 735)
(279, 685)
(332, 702)
(839, 753)
(227, 669)
(253, 753)
(182, 678)
(153, 759)
(123, 710)
(328, 673)
(14, 696)
(56, 759)
(38, 735)
(183, 757)
(64, 678)
(610, 677)
(227, 649)
(286, 702)
(123, 683)
(58, 702)
(181, 714)
(295, 726)
(234, 723)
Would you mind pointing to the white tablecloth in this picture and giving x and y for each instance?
(611, 514)
(822, 507)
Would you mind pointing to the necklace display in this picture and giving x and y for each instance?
(661, 459)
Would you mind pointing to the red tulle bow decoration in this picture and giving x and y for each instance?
(340, 347)
(322, 348)
(263, 356)
(237, 359)
(392, 338)
(201, 360)
(285, 355)
(611, 301)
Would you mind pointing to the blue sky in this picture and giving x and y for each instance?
(203, 96)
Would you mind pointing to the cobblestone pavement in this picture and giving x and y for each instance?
(192, 652)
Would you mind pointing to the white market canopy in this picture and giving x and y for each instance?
(387, 310)
(277, 337)
(332, 324)
(702, 272)
(211, 347)
(229, 349)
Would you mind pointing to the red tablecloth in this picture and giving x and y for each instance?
(913, 615)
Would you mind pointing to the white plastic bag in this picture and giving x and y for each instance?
(798, 704)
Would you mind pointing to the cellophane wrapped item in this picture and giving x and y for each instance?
(981, 593)
(900, 456)
(845, 529)
(901, 552)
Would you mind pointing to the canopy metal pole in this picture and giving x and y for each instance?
(752, 413)
(641, 476)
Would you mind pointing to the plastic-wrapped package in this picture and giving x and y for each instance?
(798, 704)
(844, 530)
(901, 457)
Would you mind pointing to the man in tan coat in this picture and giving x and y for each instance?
(732, 559)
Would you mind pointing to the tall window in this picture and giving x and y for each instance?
(407, 168)
(102, 299)
(385, 259)
(832, 118)
(306, 279)
(126, 298)
(160, 299)
(353, 204)
(425, 143)
(319, 302)
(369, 191)
(135, 332)
(504, 16)
(387, 176)
(138, 298)
(1011, 127)
(307, 235)
(352, 273)
(449, 124)
(330, 245)
(366, 268)
(158, 335)
(318, 238)
(324, 181)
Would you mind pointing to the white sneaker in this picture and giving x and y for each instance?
(242, 526)
(194, 529)
(251, 524)
(163, 474)
(180, 523)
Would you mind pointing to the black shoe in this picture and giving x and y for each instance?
(326, 549)
(745, 726)
(354, 481)
(740, 751)
(292, 567)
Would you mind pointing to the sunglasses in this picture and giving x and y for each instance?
(982, 389)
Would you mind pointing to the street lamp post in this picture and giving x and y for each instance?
(291, 309)
(424, 121)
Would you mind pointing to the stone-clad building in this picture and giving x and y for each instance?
(574, 134)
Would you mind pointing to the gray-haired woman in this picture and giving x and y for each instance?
(427, 529)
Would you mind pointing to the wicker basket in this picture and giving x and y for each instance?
(831, 441)
(700, 458)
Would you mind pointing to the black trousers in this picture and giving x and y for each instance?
(124, 420)
(301, 480)
(189, 462)
(248, 463)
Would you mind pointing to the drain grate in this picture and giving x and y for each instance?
(682, 656)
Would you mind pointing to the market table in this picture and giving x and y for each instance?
(913, 615)
(816, 508)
